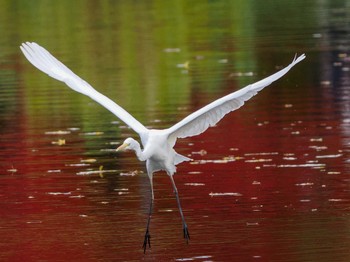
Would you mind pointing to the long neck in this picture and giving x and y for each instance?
(138, 152)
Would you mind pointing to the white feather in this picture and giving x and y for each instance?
(44, 61)
(199, 121)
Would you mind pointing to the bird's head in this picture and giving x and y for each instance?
(129, 144)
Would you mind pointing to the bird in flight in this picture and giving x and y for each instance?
(157, 145)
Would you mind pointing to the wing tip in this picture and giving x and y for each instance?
(297, 58)
(28, 49)
(27, 44)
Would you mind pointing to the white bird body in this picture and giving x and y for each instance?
(158, 145)
(158, 152)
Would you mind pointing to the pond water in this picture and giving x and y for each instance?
(270, 182)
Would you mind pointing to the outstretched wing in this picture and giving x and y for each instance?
(199, 121)
(47, 63)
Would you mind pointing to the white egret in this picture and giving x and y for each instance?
(157, 145)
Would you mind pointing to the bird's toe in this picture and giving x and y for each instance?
(147, 241)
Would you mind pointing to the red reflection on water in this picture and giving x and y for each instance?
(270, 182)
(270, 185)
(249, 194)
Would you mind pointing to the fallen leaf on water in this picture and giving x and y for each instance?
(132, 173)
(93, 172)
(184, 65)
(89, 160)
(59, 142)
(172, 50)
(101, 173)
(93, 133)
(12, 170)
(225, 194)
(59, 132)
(194, 184)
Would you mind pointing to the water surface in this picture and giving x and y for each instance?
(269, 183)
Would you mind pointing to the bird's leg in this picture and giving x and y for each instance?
(147, 239)
(184, 225)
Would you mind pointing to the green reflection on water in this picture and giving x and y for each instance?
(122, 49)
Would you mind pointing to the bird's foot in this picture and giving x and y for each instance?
(146, 241)
(186, 233)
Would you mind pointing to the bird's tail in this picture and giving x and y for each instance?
(180, 158)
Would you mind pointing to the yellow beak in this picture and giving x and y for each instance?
(122, 147)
